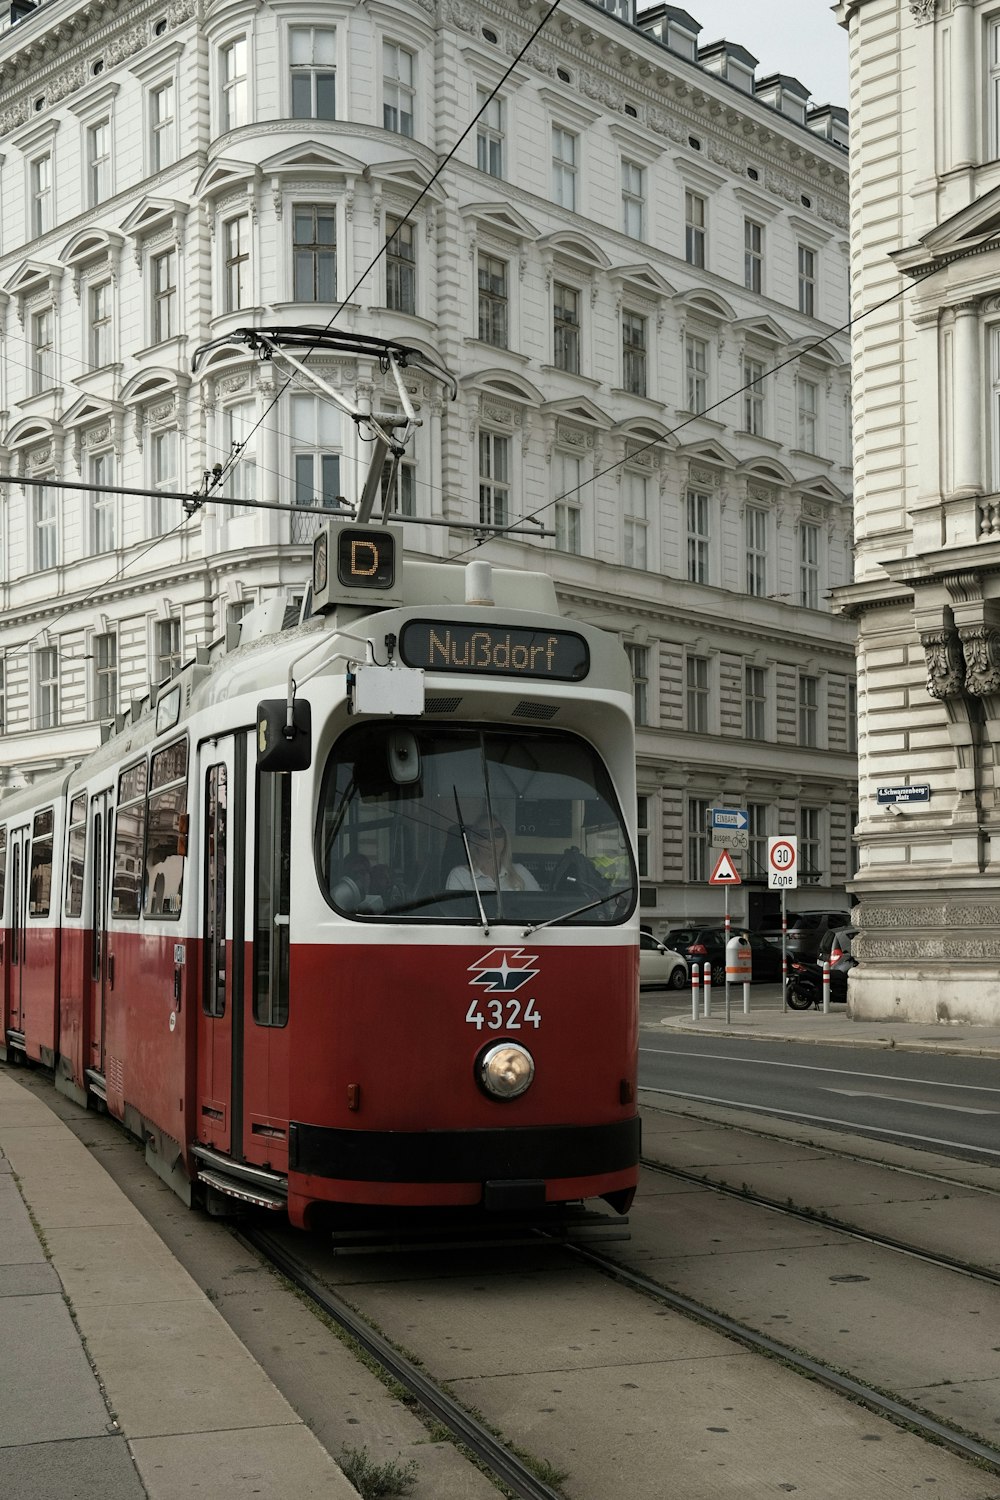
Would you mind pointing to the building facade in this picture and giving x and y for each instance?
(927, 584)
(632, 235)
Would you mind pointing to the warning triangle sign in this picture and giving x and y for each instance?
(725, 872)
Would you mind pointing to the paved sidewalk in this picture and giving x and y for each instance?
(767, 1020)
(120, 1379)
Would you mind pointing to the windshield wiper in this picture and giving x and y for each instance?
(472, 869)
(577, 911)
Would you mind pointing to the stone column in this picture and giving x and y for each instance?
(964, 145)
(967, 411)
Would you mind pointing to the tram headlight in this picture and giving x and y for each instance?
(505, 1070)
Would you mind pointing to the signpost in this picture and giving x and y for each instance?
(729, 827)
(783, 875)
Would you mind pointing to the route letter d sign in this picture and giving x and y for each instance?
(782, 864)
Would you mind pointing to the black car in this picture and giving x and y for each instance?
(708, 945)
(806, 931)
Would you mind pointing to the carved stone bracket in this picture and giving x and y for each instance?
(981, 648)
(923, 10)
(945, 662)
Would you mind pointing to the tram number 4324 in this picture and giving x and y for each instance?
(490, 1013)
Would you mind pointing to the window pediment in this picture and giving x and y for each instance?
(33, 276)
(152, 215)
(575, 249)
(226, 176)
(642, 278)
(504, 385)
(313, 156)
(88, 410)
(500, 217)
(761, 331)
(706, 305)
(577, 409)
(766, 472)
(709, 453)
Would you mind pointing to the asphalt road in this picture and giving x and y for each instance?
(941, 1103)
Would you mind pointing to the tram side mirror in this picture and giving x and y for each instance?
(280, 748)
(404, 757)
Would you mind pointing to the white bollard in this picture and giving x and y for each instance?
(826, 986)
(746, 997)
(708, 990)
(695, 987)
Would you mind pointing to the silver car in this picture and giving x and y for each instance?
(660, 968)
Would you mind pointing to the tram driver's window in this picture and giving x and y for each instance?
(40, 879)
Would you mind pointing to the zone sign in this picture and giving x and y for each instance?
(782, 863)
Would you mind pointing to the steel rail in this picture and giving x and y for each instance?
(489, 1450)
(810, 1216)
(868, 1396)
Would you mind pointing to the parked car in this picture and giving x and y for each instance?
(660, 968)
(679, 937)
(806, 930)
(805, 976)
(709, 946)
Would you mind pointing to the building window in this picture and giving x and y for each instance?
(563, 167)
(808, 565)
(316, 451)
(239, 426)
(45, 527)
(40, 177)
(568, 477)
(102, 505)
(494, 479)
(753, 396)
(164, 268)
(697, 537)
(757, 838)
(3, 727)
(99, 161)
(162, 127)
(755, 703)
(643, 827)
(490, 140)
(236, 237)
(398, 92)
(634, 353)
(807, 281)
(400, 265)
(697, 694)
(314, 253)
(313, 57)
(638, 659)
(810, 849)
(807, 403)
(756, 533)
(696, 365)
(47, 687)
(166, 648)
(42, 351)
(566, 328)
(403, 500)
(852, 716)
(105, 676)
(994, 88)
(633, 199)
(493, 306)
(808, 711)
(635, 502)
(233, 72)
(694, 229)
(697, 840)
(99, 336)
(753, 256)
(164, 476)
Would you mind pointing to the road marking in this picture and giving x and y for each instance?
(798, 1114)
(764, 1062)
(961, 1109)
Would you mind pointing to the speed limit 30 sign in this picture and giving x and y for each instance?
(782, 863)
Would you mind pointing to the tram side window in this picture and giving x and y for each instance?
(272, 899)
(40, 879)
(75, 851)
(216, 855)
(166, 832)
(3, 866)
(130, 827)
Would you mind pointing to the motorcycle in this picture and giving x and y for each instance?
(804, 987)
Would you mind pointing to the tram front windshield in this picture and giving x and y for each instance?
(429, 824)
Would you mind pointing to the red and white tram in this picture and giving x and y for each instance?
(346, 915)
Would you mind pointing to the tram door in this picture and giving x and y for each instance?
(223, 779)
(98, 978)
(19, 846)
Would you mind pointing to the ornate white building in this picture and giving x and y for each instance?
(925, 126)
(633, 234)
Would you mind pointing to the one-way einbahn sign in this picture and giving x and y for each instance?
(729, 827)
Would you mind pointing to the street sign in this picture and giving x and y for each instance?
(725, 872)
(782, 863)
(729, 827)
(904, 794)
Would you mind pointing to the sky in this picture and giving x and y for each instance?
(799, 37)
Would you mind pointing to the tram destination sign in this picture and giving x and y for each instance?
(494, 650)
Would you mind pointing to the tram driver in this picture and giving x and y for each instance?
(352, 887)
(490, 851)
